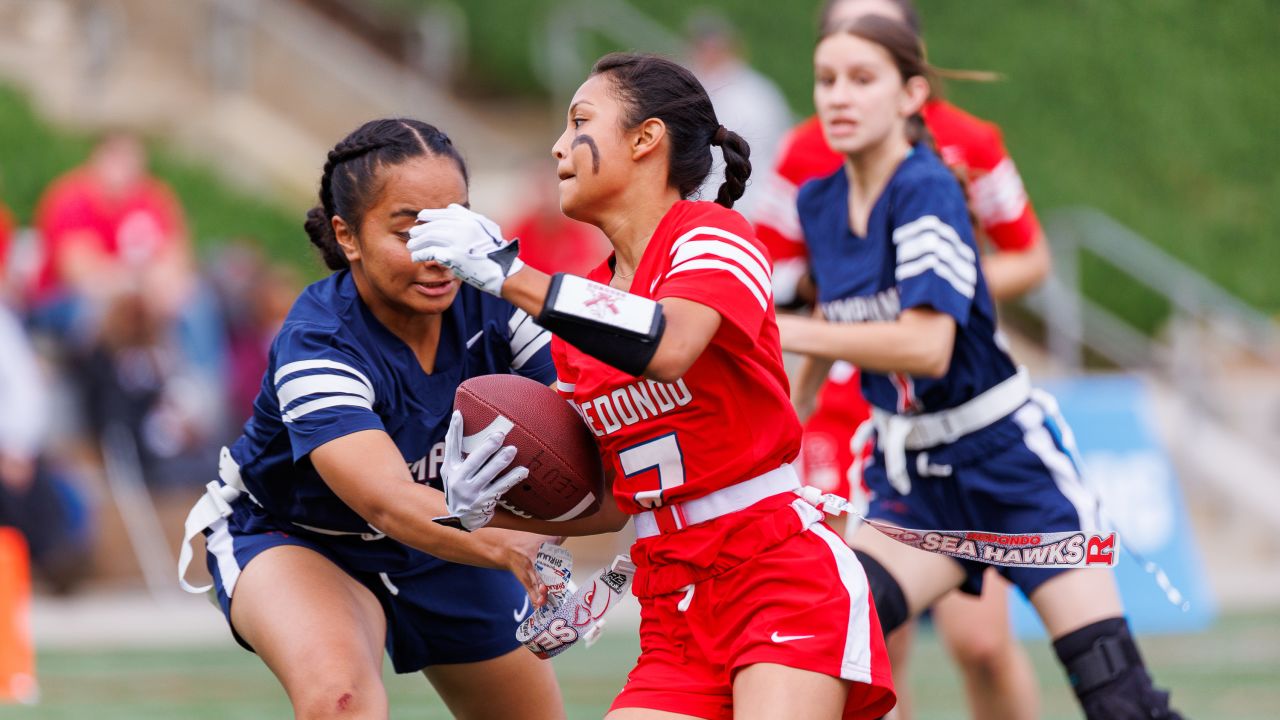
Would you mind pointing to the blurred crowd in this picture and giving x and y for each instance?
(125, 361)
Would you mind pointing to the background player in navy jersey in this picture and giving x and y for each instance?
(751, 606)
(999, 680)
(320, 539)
(962, 440)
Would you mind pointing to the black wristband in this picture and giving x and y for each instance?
(612, 326)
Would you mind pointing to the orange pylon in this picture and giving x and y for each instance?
(17, 653)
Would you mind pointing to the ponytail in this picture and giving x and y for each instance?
(737, 165)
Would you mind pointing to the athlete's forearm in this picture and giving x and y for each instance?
(1012, 273)
(813, 372)
(916, 344)
(527, 290)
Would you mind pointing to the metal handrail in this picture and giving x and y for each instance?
(1073, 321)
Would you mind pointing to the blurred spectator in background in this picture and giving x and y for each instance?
(255, 296)
(102, 227)
(549, 241)
(744, 100)
(35, 497)
(118, 291)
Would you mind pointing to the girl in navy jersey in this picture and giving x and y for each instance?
(319, 536)
(963, 442)
(750, 605)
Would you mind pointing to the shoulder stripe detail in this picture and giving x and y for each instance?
(777, 208)
(941, 269)
(301, 365)
(930, 243)
(307, 385)
(724, 235)
(724, 251)
(325, 402)
(563, 386)
(522, 356)
(999, 196)
(931, 223)
(517, 319)
(708, 264)
(523, 331)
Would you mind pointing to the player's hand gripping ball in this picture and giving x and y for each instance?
(565, 479)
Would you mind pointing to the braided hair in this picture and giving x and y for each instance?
(347, 185)
(655, 87)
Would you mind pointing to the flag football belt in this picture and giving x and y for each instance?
(215, 505)
(670, 518)
(900, 433)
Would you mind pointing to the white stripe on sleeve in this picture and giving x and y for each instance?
(563, 386)
(530, 348)
(299, 388)
(932, 262)
(930, 243)
(999, 196)
(931, 223)
(725, 251)
(723, 235)
(326, 402)
(710, 264)
(301, 365)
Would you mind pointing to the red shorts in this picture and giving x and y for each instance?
(797, 597)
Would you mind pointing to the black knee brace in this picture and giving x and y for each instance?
(891, 604)
(1108, 675)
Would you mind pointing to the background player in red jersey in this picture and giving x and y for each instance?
(998, 677)
(751, 606)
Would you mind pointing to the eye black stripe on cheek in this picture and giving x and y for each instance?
(595, 151)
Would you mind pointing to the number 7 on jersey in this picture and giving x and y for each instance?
(661, 453)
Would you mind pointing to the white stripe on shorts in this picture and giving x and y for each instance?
(1031, 417)
(218, 542)
(856, 663)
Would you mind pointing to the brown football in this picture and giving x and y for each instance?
(565, 479)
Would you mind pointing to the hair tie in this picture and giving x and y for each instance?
(721, 134)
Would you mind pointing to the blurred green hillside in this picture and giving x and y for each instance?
(1163, 115)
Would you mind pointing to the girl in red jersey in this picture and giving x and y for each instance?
(751, 605)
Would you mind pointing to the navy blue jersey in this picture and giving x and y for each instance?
(334, 370)
(919, 252)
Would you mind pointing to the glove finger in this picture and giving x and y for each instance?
(427, 215)
(472, 469)
(447, 256)
(494, 465)
(453, 440)
(514, 477)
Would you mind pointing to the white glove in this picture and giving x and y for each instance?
(467, 243)
(471, 485)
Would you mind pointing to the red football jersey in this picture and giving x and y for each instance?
(729, 418)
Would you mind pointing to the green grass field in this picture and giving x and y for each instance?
(1229, 672)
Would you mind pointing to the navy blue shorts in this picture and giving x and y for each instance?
(1018, 476)
(437, 612)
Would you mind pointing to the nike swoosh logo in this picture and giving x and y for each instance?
(519, 614)
(788, 638)
(473, 340)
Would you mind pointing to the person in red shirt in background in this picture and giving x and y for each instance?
(999, 680)
(105, 228)
(551, 242)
